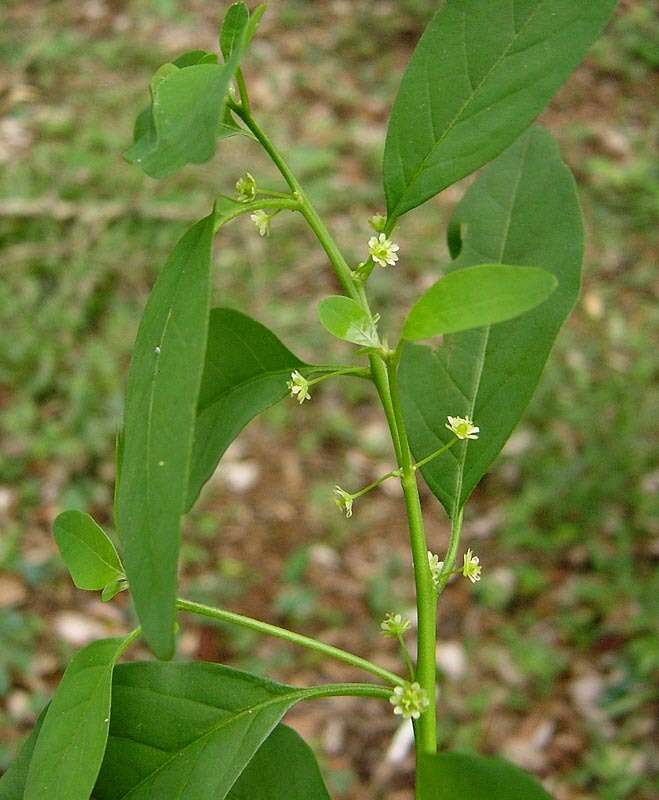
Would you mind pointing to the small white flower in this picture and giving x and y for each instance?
(298, 387)
(246, 188)
(343, 500)
(378, 222)
(409, 701)
(435, 568)
(394, 625)
(462, 427)
(383, 251)
(471, 567)
(262, 221)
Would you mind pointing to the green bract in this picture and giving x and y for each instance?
(347, 320)
(88, 553)
(197, 731)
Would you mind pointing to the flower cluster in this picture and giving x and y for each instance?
(394, 625)
(471, 567)
(246, 188)
(298, 387)
(409, 701)
(343, 500)
(383, 251)
(462, 427)
(436, 567)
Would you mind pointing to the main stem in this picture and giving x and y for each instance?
(426, 598)
(384, 378)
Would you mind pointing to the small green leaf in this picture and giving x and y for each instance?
(245, 371)
(477, 296)
(264, 778)
(188, 109)
(458, 776)
(347, 320)
(69, 750)
(86, 550)
(187, 730)
(233, 25)
(161, 401)
(480, 74)
(522, 210)
(113, 588)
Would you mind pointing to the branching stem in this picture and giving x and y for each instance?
(220, 615)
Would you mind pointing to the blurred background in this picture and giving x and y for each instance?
(552, 660)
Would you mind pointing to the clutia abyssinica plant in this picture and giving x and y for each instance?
(480, 74)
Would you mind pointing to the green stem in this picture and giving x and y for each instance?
(278, 204)
(394, 473)
(340, 265)
(242, 89)
(345, 690)
(220, 615)
(434, 455)
(426, 599)
(406, 657)
(451, 553)
(357, 372)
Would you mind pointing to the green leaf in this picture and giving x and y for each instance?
(478, 77)
(264, 778)
(69, 749)
(161, 401)
(186, 730)
(347, 320)
(234, 23)
(112, 589)
(12, 783)
(523, 209)
(88, 553)
(477, 296)
(245, 372)
(188, 109)
(458, 776)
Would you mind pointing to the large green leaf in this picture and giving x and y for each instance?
(69, 749)
(522, 210)
(480, 74)
(245, 372)
(186, 730)
(188, 108)
(459, 776)
(477, 296)
(284, 768)
(346, 319)
(161, 401)
(86, 550)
